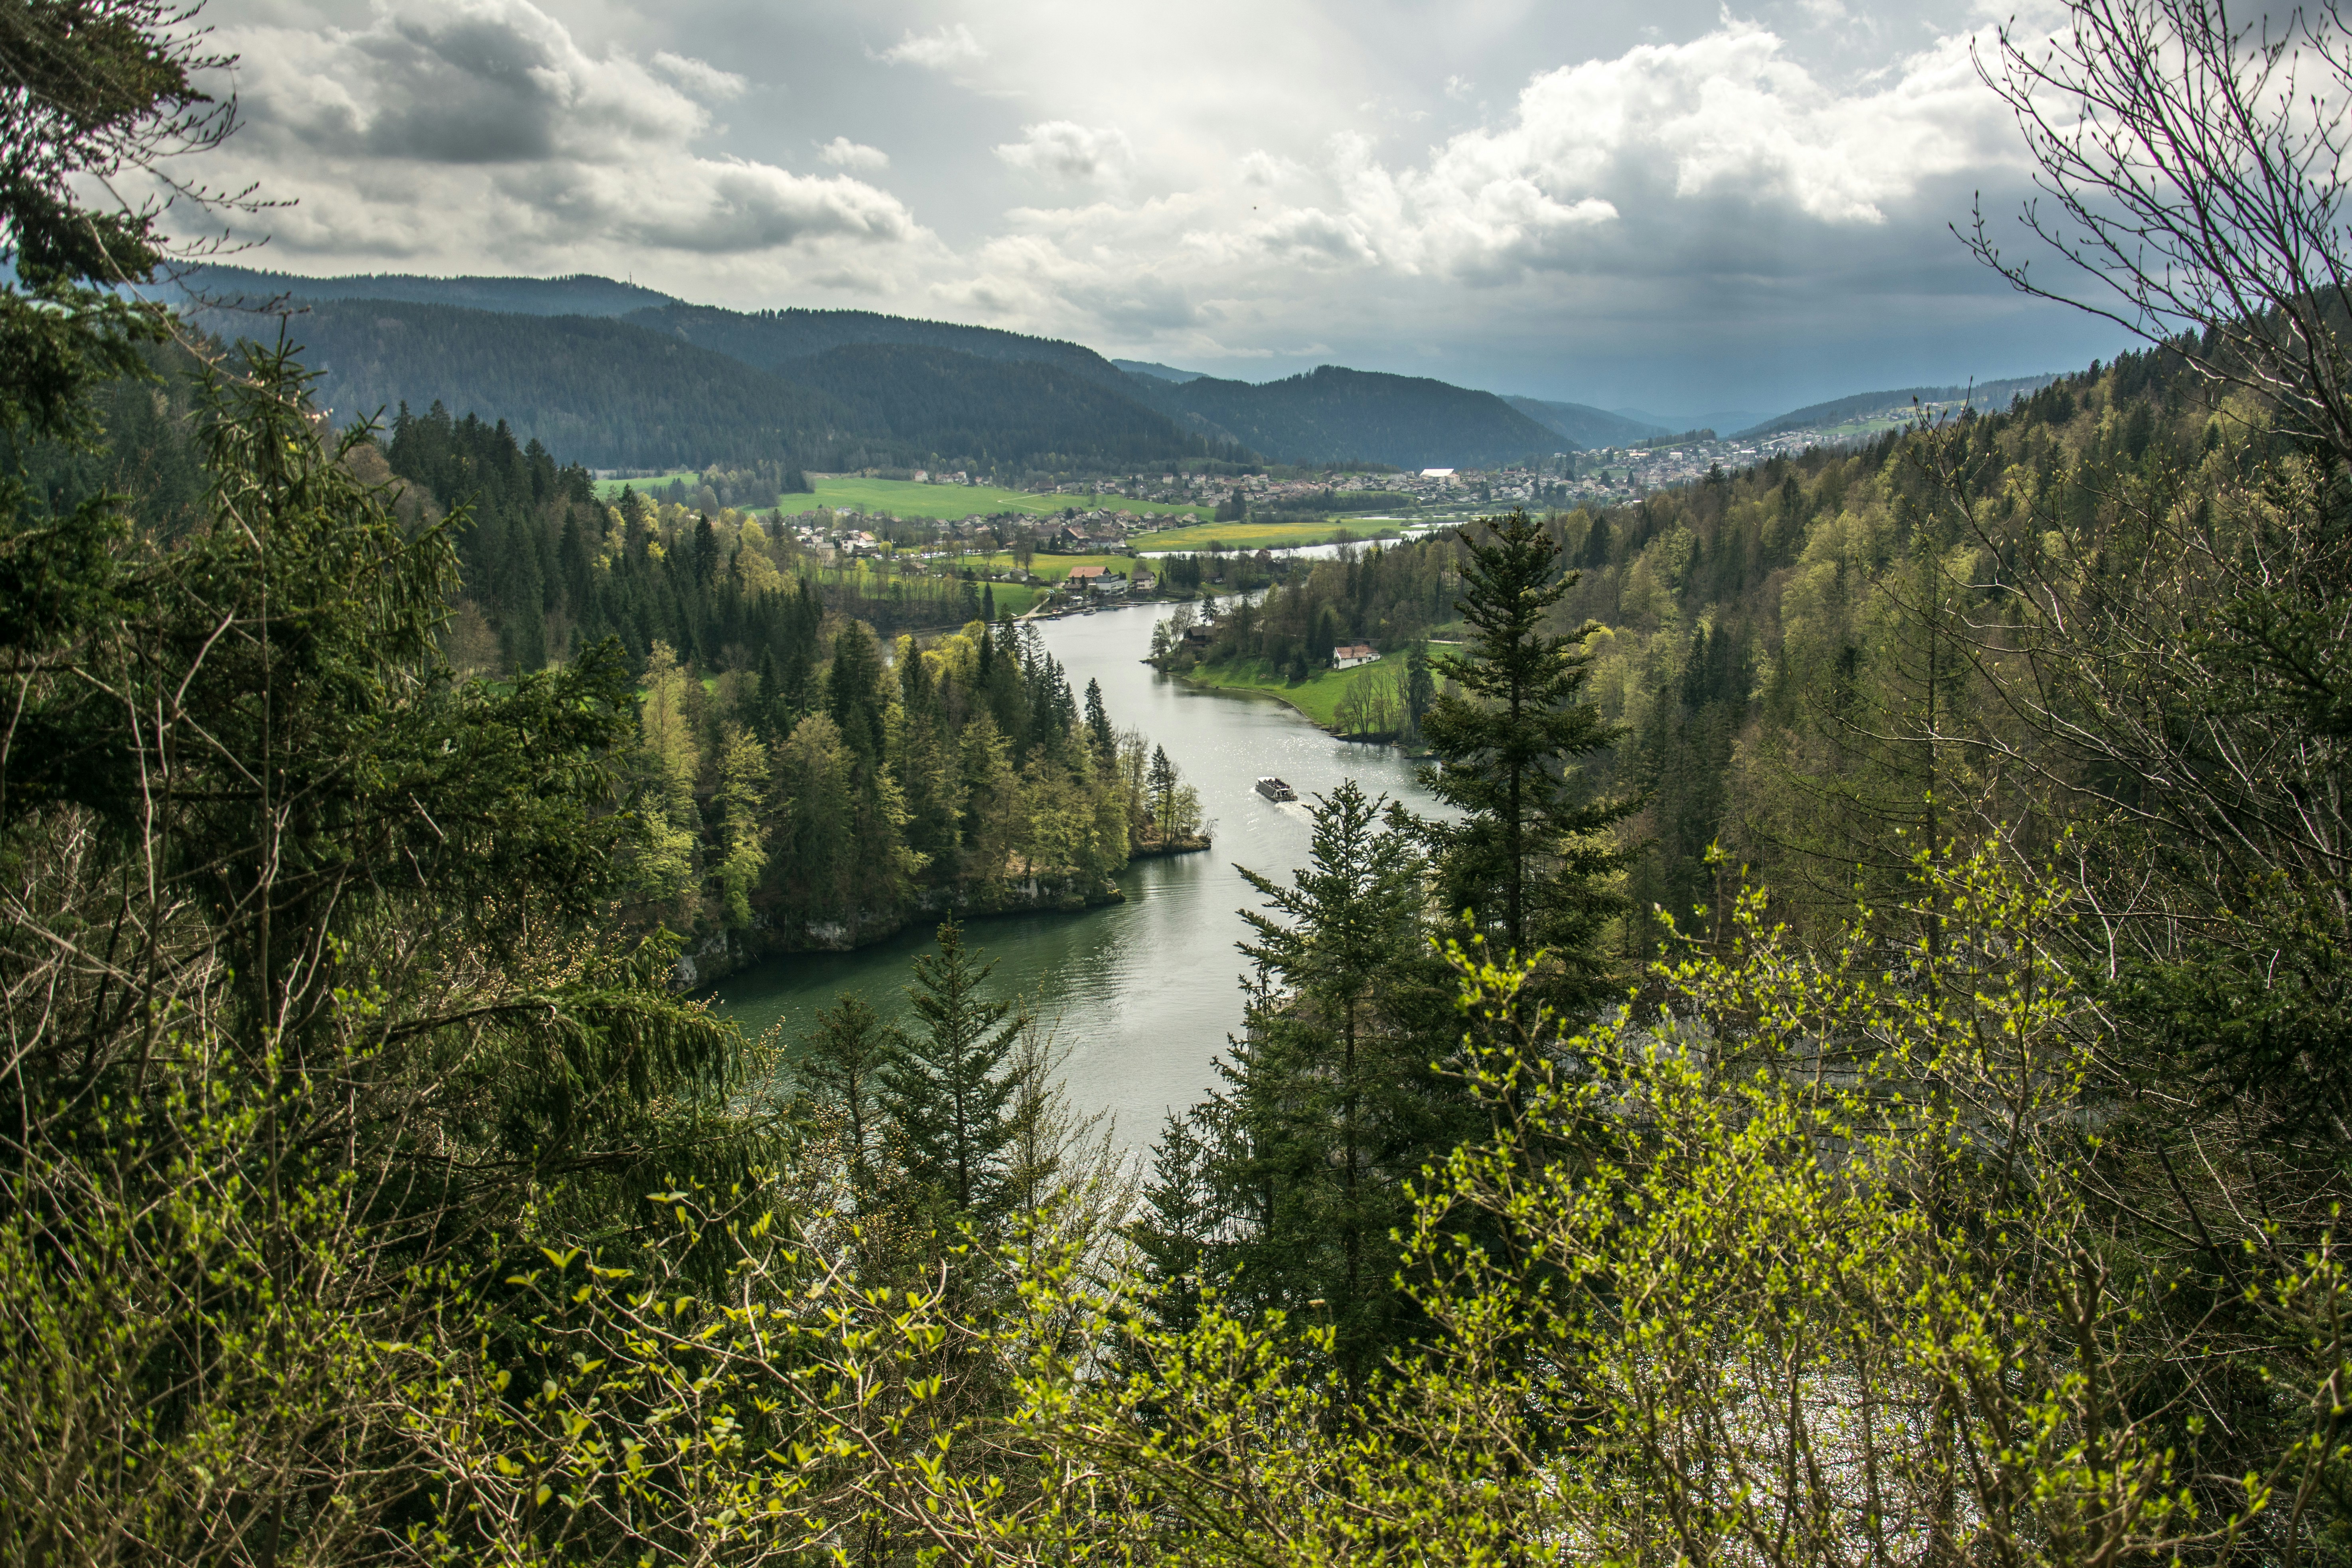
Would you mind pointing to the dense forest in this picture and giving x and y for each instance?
(581, 294)
(1855, 1074)
(1581, 427)
(551, 378)
(1332, 415)
(776, 340)
(997, 416)
(857, 389)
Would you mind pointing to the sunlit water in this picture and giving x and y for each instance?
(1145, 992)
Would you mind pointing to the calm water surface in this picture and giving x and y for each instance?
(1145, 991)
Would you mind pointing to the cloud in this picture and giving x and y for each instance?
(699, 75)
(1068, 151)
(1266, 170)
(1642, 160)
(844, 154)
(475, 123)
(943, 48)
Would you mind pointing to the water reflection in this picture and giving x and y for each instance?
(1147, 990)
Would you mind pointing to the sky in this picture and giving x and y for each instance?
(1661, 204)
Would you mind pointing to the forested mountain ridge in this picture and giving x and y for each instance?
(773, 339)
(987, 414)
(608, 391)
(1583, 426)
(602, 391)
(1759, 641)
(581, 294)
(1334, 415)
(1986, 395)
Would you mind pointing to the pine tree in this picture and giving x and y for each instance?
(1163, 785)
(846, 1065)
(948, 1087)
(1179, 1222)
(1528, 860)
(1333, 1101)
(1099, 731)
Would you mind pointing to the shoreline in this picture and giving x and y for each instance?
(1285, 695)
(702, 964)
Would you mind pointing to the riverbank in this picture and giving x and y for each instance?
(1143, 994)
(1318, 697)
(719, 954)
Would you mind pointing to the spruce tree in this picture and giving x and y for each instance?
(948, 1087)
(1332, 1100)
(1162, 781)
(1104, 739)
(846, 1064)
(1527, 861)
(1180, 1217)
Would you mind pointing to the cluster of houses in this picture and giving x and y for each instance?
(1103, 583)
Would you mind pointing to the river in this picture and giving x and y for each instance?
(1144, 993)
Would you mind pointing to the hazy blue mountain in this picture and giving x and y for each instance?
(1581, 425)
(1837, 410)
(769, 340)
(1723, 421)
(582, 294)
(1333, 415)
(1154, 369)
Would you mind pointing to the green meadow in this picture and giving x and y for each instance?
(1052, 568)
(903, 498)
(1248, 535)
(1318, 696)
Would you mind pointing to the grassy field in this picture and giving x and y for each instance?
(903, 498)
(1318, 696)
(1052, 568)
(1245, 535)
(610, 489)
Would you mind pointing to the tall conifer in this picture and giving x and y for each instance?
(948, 1087)
(1528, 859)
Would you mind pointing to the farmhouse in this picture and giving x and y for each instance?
(1348, 655)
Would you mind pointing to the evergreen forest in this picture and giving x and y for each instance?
(1856, 1072)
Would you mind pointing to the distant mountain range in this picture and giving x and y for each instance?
(1331, 414)
(1582, 427)
(1152, 368)
(615, 376)
(582, 294)
(1723, 421)
(1838, 410)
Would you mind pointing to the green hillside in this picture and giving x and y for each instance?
(1334, 415)
(601, 392)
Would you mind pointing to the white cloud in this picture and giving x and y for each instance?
(481, 124)
(844, 154)
(699, 75)
(1705, 165)
(1268, 170)
(1069, 150)
(940, 50)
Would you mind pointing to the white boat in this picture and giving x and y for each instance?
(1274, 789)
